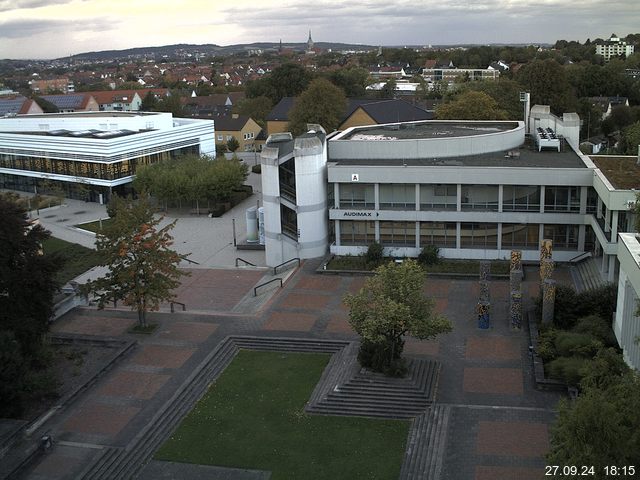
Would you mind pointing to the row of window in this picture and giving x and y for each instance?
(473, 197)
(246, 136)
(103, 171)
(444, 234)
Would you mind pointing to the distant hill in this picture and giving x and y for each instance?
(207, 49)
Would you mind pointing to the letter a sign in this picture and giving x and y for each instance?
(355, 177)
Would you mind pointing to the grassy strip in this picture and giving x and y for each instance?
(76, 259)
(348, 262)
(253, 417)
(94, 226)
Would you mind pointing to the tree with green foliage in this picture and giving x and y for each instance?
(322, 103)
(149, 102)
(388, 90)
(287, 80)
(504, 91)
(27, 288)
(631, 139)
(143, 269)
(27, 278)
(256, 108)
(548, 84)
(389, 306)
(353, 80)
(471, 105)
(233, 144)
(601, 428)
(171, 104)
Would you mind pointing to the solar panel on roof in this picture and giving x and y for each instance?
(65, 101)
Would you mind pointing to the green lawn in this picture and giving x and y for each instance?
(94, 226)
(76, 259)
(253, 417)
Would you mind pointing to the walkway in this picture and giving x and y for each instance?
(497, 424)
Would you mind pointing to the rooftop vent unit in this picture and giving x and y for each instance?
(547, 138)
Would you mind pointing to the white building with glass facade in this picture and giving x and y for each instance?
(93, 153)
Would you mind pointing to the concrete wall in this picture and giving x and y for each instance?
(626, 325)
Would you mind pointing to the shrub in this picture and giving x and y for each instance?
(566, 306)
(582, 344)
(375, 253)
(571, 370)
(598, 327)
(430, 255)
(600, 301)
(257, 169)
(608, 368)
(546, 344)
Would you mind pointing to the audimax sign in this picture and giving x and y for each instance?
(359, 213)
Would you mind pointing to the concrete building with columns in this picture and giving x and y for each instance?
(474, 189)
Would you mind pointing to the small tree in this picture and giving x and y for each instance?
(233, 144)
(143, 269)
(389, 306)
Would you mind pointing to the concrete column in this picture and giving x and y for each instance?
(376, 195)
(583, 200)
(612, 268)
(599, 208)
(417, 197)
(336, 195)
(377, 227)
(607, 221)
(417, 234)
(603, 264)
(614, 225)
(458, 241)
(540, 233)
(542, 189)
(459, 202)
(337, 231)
(500, 197)
(499, 244)
(582, 233)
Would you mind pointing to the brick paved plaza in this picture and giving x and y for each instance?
(499, 425)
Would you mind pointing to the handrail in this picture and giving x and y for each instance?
(255, 289)
(184, 257)
(184, 307)
(275, 269)
(243, 260)
(577, 257)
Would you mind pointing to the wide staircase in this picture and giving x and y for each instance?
(586, 274)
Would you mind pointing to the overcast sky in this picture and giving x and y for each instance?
(57, 28)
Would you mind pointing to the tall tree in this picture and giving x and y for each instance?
(322, 103)
(548, 84)
(143, 269)
(27, 278)
(353, 80)
(389, 306)
(471, 105)
(288, 80)
(257, 108)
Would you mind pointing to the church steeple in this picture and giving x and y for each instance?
(309, 43)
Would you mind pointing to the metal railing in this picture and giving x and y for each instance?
(580, 257)
(255, 289)
(184, 257)
(238, 259)
(275, 269)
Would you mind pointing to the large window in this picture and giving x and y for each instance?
(289, 222)
(479, 235)
(398, 196)
(353, 232)
(517, 198)
(564, 237)
(287, 177)
(562, 199)
(398, 234)
(518, 235)
(480, 197)
(438, 197)
(357, 196)
(441, 234)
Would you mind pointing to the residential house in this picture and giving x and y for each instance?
(52, 85)
(607, 104)
(118, 100)
(244, 129)
(18, 105)
(73, 102)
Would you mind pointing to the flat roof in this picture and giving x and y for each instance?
(102, 114)
(428, 129)
(526, 156)
(623, 172)
(99, 134)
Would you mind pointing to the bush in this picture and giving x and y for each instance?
(547, 344)
(571, 370)
(582, 344)
(375, 253)
(257, 169)
(598, 327)
(608, 368)
(430, 255)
